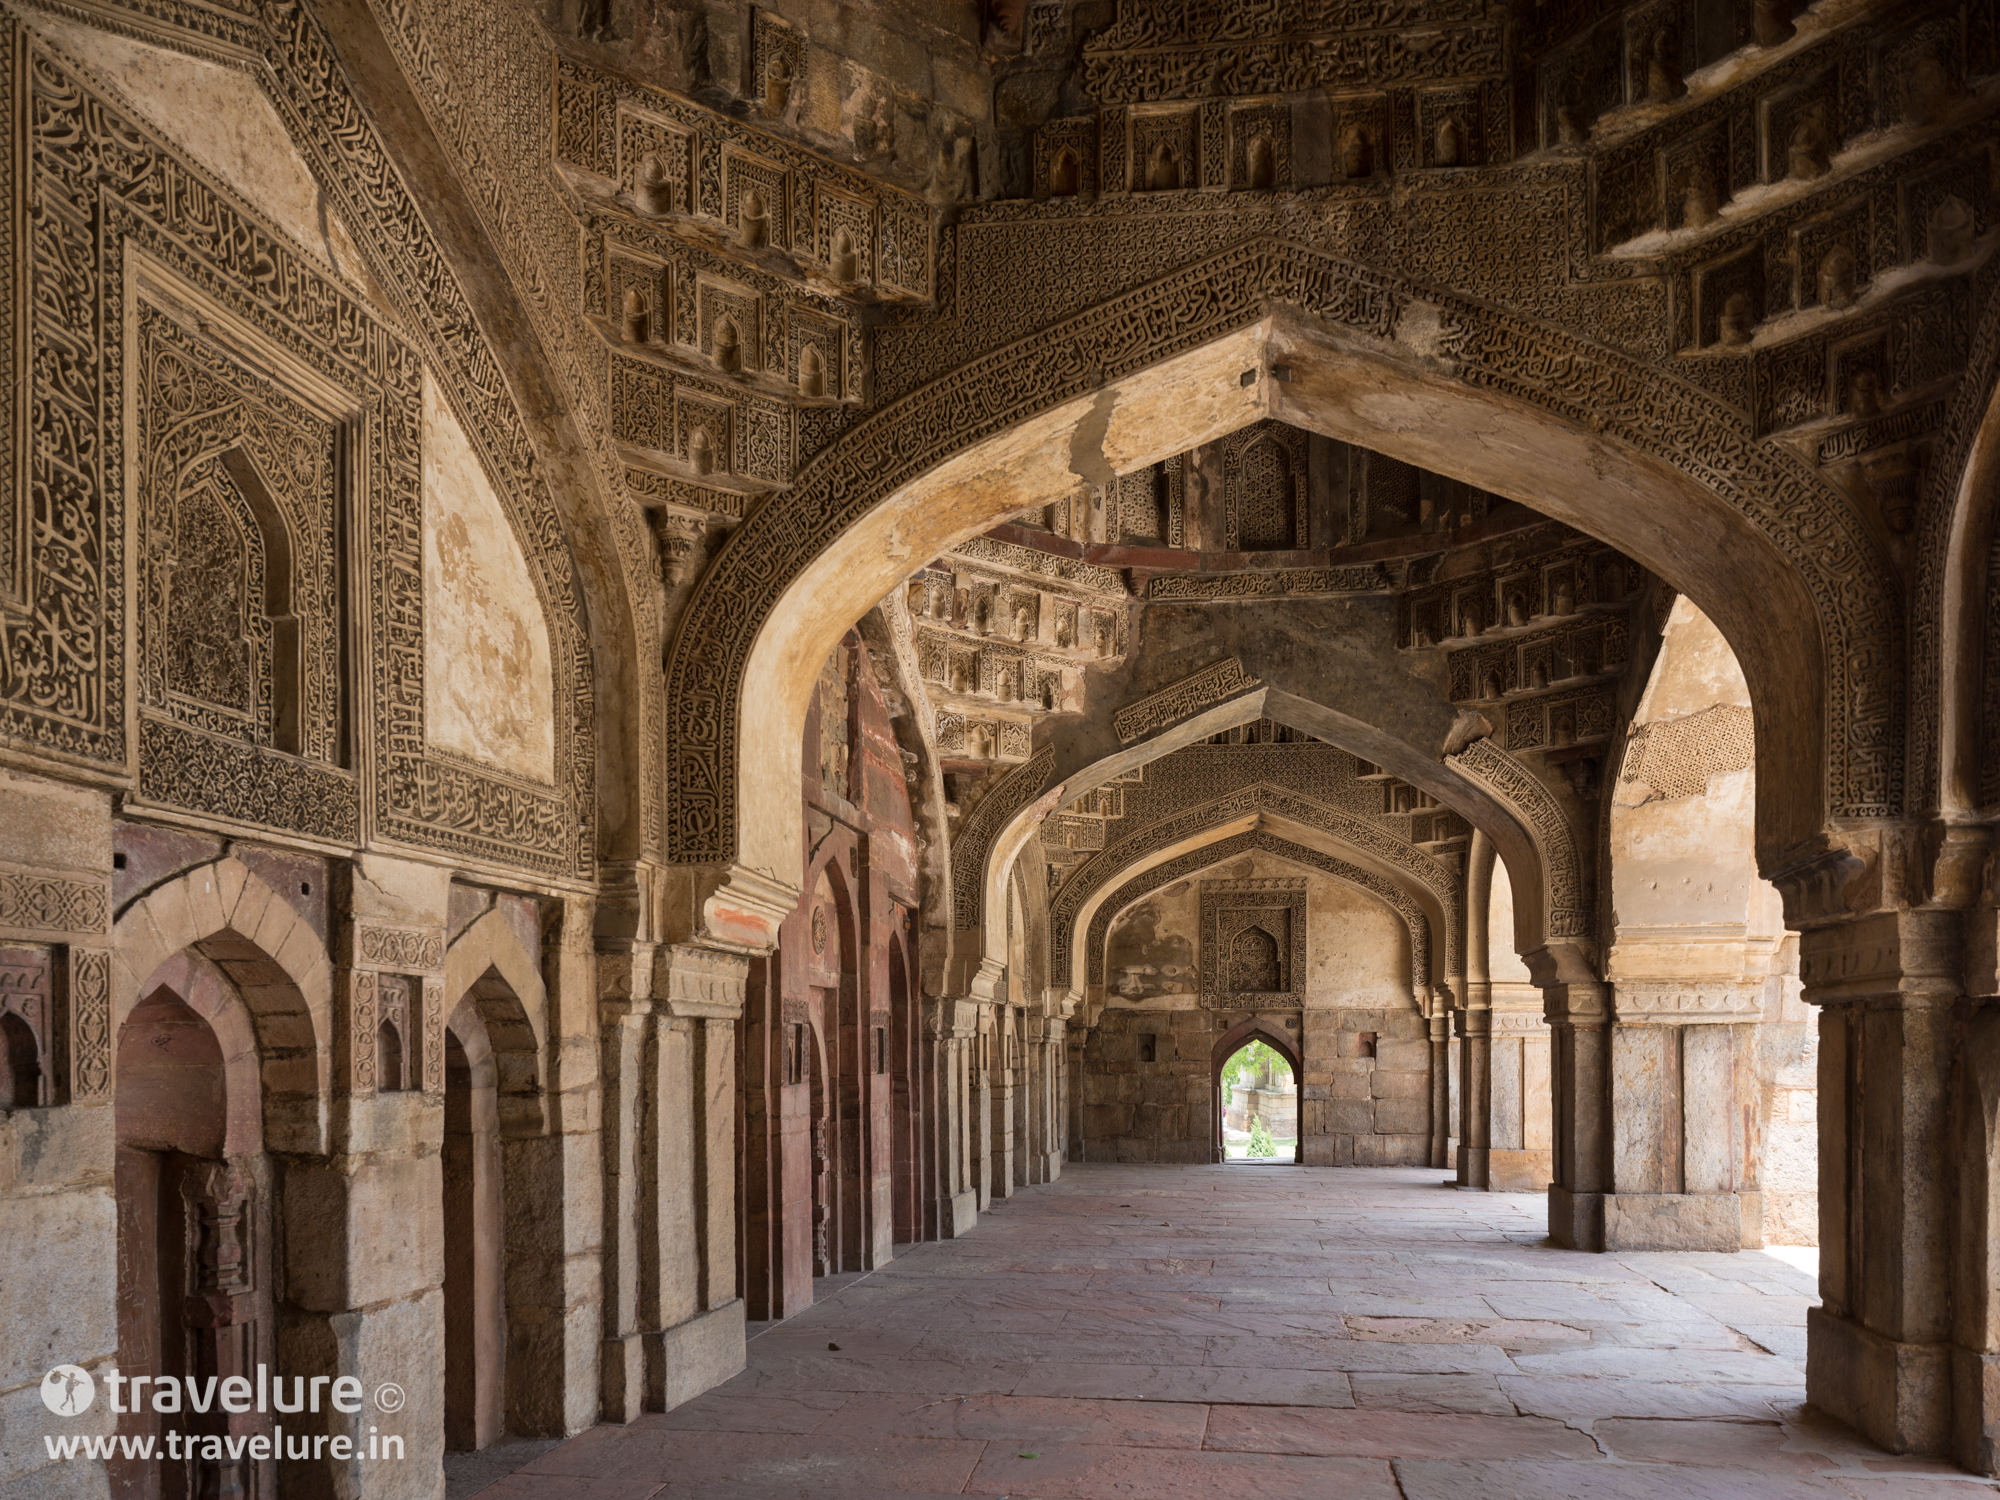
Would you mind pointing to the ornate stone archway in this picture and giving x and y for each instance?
(1691, 450)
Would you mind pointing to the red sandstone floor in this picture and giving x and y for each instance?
(1257, 1331)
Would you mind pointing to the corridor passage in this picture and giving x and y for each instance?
(1260, 1331)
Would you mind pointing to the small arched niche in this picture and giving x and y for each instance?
(1065, 174)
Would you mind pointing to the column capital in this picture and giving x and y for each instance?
(731, 908)
(1666, 1002)
(1851, 869)
(1915, 957)
(1562, 964)
(696, 981)
(950, 1018)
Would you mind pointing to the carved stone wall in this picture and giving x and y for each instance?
(242, 688)
(1675, 757)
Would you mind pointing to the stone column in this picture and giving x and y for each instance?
(363, 1225)
(1879, 1350)
(988, 992)
(1474, 1030)
(624, 1024)
(1000, 1109)
(1975, 1338)
(949, 1025)
(1475, 1081)
(1054, 1073)
(1439, 1018)
(700, 1340)
(554, 1211)
(1045, 1053)
(1574, 1002)
(1073, 1081)
(982, 1064)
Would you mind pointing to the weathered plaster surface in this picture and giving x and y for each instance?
(1505, 964)
(488, 685)
(221, 118)
(1150, 954)
(1358, 950)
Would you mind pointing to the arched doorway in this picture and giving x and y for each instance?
(193, 1196)
(474, 1306)
(1714, 1104)
(1256, 1075)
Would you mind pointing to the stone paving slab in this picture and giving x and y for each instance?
(1142, 1331)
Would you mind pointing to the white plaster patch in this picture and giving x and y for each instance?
(489, 689)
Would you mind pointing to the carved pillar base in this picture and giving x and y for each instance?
(624, 1375)
(695, 1355)
(1896, 1392)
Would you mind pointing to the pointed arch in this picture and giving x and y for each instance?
(275, 960)
(1082, 896)
(488, 969)
(1785, 563)
(1258, 1028)
(1224, 847)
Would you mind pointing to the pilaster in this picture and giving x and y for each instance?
(1575, 1003)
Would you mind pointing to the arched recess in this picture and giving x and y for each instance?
(1955, 632)
(474, 1233)
(1483, 803)
(189, 1174)
(487, 966)
(1203, 856)
(1663, 471)
(420, 212)
(1263, 1029)
(275, 961)
(1364, 844)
